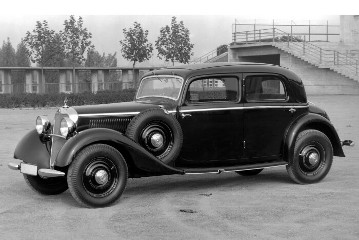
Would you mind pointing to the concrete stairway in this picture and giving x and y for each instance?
(322, 58)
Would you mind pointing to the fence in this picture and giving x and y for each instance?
(67, 80)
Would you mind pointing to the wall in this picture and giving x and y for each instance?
(349, 29)
(67, 80)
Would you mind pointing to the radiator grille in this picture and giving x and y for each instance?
(118, 124)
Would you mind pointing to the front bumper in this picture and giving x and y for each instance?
(34, 171)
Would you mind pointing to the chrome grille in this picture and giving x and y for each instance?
(118, 124)
(58, 118)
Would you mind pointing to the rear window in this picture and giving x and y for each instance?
(264, 88)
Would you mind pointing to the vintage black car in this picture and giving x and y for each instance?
(205, 118)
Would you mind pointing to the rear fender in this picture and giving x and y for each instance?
(312, 121)
(32, 150)
(141, 158)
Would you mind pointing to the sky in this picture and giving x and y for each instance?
(210, 26)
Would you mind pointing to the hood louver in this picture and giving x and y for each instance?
(118, 124)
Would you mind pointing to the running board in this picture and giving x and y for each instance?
(233, 168)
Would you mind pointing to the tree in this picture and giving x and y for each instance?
(22, 55)
(37, 41)
(174, 43)
(54, 52)
(7, 58)
(94, 59)
(77, 40)
(135, 46)
(110, 60)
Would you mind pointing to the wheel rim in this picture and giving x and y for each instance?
(100, 177)
(312, 158)
(157, 138)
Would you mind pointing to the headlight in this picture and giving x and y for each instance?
(42, 124)
(67, 126)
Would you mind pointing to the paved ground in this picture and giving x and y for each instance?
(225, 206)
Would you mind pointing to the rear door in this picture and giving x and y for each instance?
(268, 112)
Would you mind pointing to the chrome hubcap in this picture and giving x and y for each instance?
(313, 158)
(101, 177)
(157, 140)
(310, 158)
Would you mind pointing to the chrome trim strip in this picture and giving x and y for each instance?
(240, 108)
(245, 169)
(108, 114)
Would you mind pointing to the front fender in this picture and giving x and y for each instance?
(141, 158)
(30, 149)
(312, 121)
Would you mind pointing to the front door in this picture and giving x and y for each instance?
(268, 112)
(211, 121)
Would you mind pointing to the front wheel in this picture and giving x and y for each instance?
(98, 176)
(48, 186)
(312, 159)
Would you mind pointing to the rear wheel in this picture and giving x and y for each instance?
(312, 159)
(48, 186)
(98, 176)
(249, 172)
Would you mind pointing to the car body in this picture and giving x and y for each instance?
(190, 119)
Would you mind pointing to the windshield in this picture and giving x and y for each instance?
(160, 86)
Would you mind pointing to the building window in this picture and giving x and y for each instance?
(100, 83)
(68, 85)
(34, 85)
(68, 82)
(1, 87)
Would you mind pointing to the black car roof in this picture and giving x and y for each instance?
(190, 70)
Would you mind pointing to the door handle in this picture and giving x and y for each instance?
(183, 115)
(292, 110)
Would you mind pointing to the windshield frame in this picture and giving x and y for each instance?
(161, 96)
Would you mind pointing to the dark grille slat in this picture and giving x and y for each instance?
(118, 124)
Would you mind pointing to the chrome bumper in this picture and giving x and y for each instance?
(32, 170)
(347, 143)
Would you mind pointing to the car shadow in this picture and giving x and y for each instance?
(203, 182)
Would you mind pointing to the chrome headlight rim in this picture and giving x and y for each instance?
(42, 124)
(67, 126)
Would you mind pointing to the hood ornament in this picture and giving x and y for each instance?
(65, 103)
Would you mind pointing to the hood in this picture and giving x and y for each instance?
(113, 109)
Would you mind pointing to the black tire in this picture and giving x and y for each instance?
(98, 175)
(312, 159)
(48, 186)
(250, 172)
(155, 122)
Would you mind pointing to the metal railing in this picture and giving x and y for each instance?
(212, 54)
(313, 32)
(299, 47)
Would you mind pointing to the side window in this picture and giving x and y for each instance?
(213, 89)
(264, 88)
